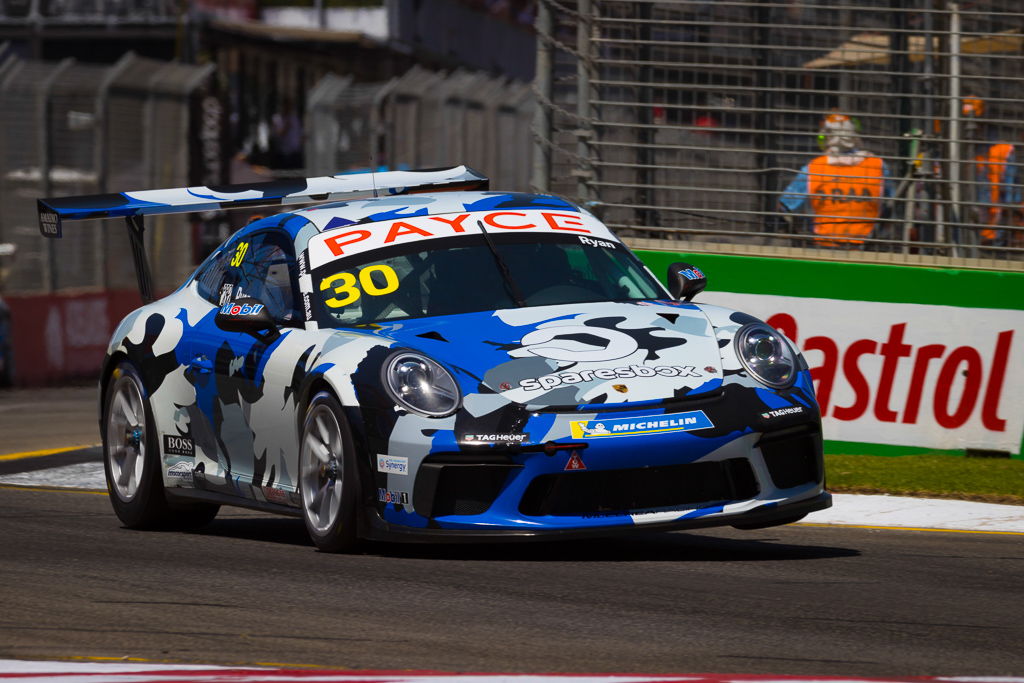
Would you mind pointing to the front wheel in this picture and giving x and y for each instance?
(327, 476)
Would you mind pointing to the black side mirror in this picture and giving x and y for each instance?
(685, 281)
(249, 316)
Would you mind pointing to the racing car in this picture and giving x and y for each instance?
(414, 357)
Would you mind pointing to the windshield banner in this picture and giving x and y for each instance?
(356, 239)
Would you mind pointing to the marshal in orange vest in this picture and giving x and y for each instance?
(997, 171)
(845, 193)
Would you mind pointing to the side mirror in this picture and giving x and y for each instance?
(685, 281)
(248, 316)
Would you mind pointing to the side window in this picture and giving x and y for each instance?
(211, 280)
(262, 266)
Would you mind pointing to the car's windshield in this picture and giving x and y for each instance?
(461, 275)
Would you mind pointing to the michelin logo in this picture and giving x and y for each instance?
(548, 382)
(631, 426)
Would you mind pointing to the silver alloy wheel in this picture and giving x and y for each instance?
(321, 468)
(126, 437)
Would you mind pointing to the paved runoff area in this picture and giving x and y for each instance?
(77, 672)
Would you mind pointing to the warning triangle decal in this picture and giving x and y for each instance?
(575, 462)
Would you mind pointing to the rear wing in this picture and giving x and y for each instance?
(134, 206)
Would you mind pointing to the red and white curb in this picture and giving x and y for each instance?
(95, 672)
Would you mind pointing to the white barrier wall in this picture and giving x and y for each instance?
(900, 356)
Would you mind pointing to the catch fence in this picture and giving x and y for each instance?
(70, 128)
(423, 119)
(687, 120)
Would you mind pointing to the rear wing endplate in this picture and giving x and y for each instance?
(133, 206)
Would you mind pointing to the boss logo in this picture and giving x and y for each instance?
(179, 445)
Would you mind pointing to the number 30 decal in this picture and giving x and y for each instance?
(236, 260)
(345, 284)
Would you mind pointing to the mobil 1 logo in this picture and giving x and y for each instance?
(179, 445)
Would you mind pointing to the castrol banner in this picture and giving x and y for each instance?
(905, 374)
(902, 356)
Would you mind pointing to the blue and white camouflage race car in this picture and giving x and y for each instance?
(434, 361)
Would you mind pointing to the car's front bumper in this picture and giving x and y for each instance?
(744, 470)
(764, 514)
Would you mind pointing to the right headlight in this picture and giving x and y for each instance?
(421, 385)
(766, 355)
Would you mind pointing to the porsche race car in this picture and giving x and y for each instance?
(417, 358)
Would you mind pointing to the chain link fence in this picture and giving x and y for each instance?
(68, 128)
(688, 120)
(56, 12)
(422, 119)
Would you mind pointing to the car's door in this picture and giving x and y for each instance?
(234, 389)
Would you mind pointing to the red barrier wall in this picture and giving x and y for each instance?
(62, 337)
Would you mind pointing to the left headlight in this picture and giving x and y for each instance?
(421, 385)
(766, 355)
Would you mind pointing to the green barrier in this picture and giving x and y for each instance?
(968, 289)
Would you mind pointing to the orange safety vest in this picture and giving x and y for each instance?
(847, 200)
(991, 167)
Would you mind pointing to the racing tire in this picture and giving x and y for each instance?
(328, 484)
(131, 455)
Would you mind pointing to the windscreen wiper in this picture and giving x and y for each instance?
(506, 275)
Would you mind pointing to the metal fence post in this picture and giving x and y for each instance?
(584, 131)
(540, 172)
(46, 159)
(955, 216)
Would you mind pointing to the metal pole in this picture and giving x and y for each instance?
(954, 120)
(540, 175)
(45, 148)
(583, 132)
(101, 157)
(321, 14)
(927, 148)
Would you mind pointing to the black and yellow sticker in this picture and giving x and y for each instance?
(350, 287)
(240, 252)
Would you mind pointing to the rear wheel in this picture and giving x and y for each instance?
(130, 453)
(327, 476)
(131, 461)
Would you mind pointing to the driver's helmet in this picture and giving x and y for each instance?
(838, 133)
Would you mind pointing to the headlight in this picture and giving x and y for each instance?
(766, 355)
(421, 385)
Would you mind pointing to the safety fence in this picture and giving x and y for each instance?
(70, 128)
(423, 119)
(687, 120)
(56, 12)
